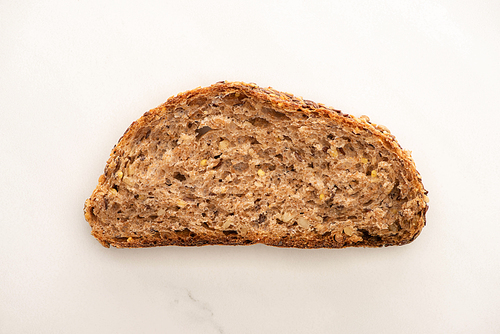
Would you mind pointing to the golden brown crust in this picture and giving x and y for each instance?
(290, 104)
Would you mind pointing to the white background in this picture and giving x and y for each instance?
(75, 74)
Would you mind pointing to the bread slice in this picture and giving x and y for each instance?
(236, 164)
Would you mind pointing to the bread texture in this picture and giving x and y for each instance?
(236, 164)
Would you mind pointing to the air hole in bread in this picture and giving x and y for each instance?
(298, 155)
(247, 139)
(183, 233)
(240, 166)
(202, 131)
(230, 232)
(198, 101)
(367, 236)
(349, 148)
(179, 176)
(269, 152)
(219, 164)
(253, 141)
(260, 122)
(394, 227)
(276, 114)
(205, 225)
(395, 192)
(234, 99)
(144, 134)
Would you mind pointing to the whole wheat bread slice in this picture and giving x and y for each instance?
(236, 164)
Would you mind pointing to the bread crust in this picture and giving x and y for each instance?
(287, 103)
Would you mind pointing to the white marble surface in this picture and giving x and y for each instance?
(75, 74)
